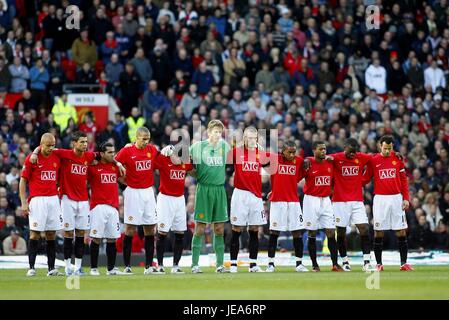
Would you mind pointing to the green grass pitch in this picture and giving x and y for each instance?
(424, 283)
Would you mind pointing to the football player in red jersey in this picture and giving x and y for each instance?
(391, 198)
(317, 206)
(347, 199)
(246, 202)
(103, 180)
(42, 206)
(140, 202)
(171, 208)
(285, 209)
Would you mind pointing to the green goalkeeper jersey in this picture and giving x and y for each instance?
(210, 161)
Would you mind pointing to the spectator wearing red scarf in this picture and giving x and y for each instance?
(292, 61)
(109, 47)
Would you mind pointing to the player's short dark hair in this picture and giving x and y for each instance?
(388, 139)
(288, 144)
(78, 135)
(315, 144)
(351, 142)
(103, 147)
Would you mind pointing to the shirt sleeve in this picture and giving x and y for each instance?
(62, 153)
(90, 171)
(404, 183)
(27, 169)
(91, 156)
(300, 174)
(368, 175)
(364, 157)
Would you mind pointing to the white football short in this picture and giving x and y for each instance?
(388, 213)
(318, 213)
(104, 222)
(75, 214)
(140, 206)
(246, 209)
(349, 212)
(171, 213)
(45, 214)
(285, 216)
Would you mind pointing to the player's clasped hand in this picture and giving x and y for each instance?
(25, 209)
(168, 150)
(405, 205)
(121, 169)
(33, 158)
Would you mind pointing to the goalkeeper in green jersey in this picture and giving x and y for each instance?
(209, 160)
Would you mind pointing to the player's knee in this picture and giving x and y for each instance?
(79, 233)
(219, 228)
(378, 234)
(341, 232)
(130, 230)
(68, 234)
(274, 232)
(96, 240)
(111, 240)
(50, 235)
(34, 235)
(296, 234)
(253, 228)
(401, 233)
(330, 233)
(363, 229)
(161, 233)
(149, 230)
(199, 230)
(311, 233)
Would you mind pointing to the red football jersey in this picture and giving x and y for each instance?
(139, 165)
(318, 178)
(348, 176)
(247, 170)
(42, 177)
(73, 175)
(284, 182)
(103, 184)
(172, 182)
(389, 175)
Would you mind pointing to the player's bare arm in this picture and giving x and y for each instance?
(23, 196)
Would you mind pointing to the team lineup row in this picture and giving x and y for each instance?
(341, 175)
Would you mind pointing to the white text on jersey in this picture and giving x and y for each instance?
(78, 169)
(108, 178)
(348, 171)
(143, 165)
(323, 181)
(48, 175)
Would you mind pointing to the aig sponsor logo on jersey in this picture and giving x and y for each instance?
(78, 169)
(177, 174)
(387, 173)
(348, 171)
(143, 165)
(287, 169)
(214, 161)
(48, 175)
(108, 178)
(323, 181)
(250, 166)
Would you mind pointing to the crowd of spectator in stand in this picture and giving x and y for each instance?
(308, 68)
